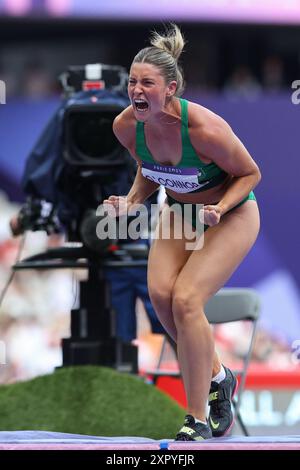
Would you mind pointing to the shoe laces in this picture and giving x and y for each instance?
(215, 406)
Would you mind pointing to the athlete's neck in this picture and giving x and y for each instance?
(170, 115)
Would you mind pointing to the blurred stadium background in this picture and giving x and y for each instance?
(242, 59)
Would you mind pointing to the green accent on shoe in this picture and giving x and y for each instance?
(213, 396)
(214, 425)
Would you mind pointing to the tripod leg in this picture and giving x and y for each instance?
(242, 424)
(240, 420)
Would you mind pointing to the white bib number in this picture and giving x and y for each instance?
(180, 180)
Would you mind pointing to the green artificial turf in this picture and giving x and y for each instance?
(89, 400)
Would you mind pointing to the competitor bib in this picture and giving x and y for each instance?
(180, 180)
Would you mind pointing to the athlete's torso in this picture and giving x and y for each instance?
(191, 179)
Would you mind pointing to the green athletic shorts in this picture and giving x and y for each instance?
(171, 202)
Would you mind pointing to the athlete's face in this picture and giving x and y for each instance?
(148, 91)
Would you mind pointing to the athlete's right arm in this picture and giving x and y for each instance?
(142, 188)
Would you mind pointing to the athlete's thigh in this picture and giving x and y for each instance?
(168, 253)
(225, 246)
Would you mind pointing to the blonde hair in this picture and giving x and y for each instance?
(164, 53)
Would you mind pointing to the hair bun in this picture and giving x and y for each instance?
(172, 41)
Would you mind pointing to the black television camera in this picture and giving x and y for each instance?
(78, 161)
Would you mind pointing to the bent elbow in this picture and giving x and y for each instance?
(258, 176)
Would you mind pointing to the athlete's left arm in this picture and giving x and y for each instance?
(219, 143)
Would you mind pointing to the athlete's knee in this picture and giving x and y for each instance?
(187, 303)
(160, 295)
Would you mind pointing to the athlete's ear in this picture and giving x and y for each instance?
(171, 88)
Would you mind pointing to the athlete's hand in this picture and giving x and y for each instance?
(210, 215)
(117, 205)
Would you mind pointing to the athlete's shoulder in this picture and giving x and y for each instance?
(207, 127)
(203, 118)
(124, 127)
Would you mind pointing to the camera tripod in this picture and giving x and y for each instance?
(93, 339)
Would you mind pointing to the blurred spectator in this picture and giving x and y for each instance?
(273, 73)
(35, 313)
(233, 339)
(31, 350)
(242, 84)
(36, 81)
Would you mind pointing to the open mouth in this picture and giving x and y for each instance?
(141, 105)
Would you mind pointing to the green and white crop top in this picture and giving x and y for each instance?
(190, 175)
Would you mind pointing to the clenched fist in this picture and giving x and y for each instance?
(210, 215)
(119, 205)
